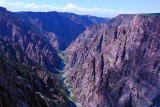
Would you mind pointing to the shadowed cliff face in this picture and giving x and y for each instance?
(13, 52)
(65, 26)
(117, 64)
(21, 86)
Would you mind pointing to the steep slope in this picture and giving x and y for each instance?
(117, 64)
(31, 42)
(66, 26)
(64, 29)
(85, 20)
(22, 86)
(24, 83)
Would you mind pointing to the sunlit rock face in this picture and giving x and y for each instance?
(117, 64)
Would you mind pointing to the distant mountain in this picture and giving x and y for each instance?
(85, 20)
(117, 64)
(2, 9)
(65, 26)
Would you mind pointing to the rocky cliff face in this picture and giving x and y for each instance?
(24, 83)
(117, 64)
(22, 86)
(31, 42)
(66, 26)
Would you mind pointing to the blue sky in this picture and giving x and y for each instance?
(102, 8)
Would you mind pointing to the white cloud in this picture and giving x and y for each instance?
(2, 2)
(21, 6)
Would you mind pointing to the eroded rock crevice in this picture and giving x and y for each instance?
(126, 65)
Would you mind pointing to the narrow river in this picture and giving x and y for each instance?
(63, 78)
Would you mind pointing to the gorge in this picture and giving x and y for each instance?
(56, 59)
(30, 43)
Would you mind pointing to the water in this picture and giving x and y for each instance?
(61, 68)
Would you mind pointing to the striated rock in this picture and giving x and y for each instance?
(22, 34)
(117, 64)
(53, 40)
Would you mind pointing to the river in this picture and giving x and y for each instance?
(63, 78)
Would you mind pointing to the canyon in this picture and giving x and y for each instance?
(30, 48)
(59, 59)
